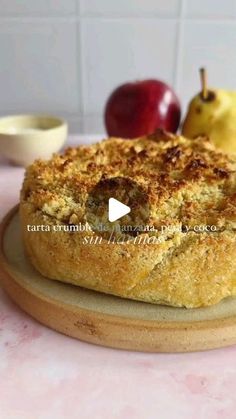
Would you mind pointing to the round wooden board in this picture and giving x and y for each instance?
(106, 320)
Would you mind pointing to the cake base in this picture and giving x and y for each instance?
(106, 320)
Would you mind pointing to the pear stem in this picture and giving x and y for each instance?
(203, 76)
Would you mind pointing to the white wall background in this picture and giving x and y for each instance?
(65, 56)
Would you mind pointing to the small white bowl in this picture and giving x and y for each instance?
(24, 138)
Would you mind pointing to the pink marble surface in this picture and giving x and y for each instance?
(45, 375)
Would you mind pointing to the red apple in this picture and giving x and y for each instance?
(139, 108)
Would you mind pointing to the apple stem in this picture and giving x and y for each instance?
(203, 76)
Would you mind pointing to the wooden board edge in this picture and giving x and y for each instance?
(115, 331)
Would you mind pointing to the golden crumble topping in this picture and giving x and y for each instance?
(187, 181)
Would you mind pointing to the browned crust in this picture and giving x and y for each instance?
(187, 183)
